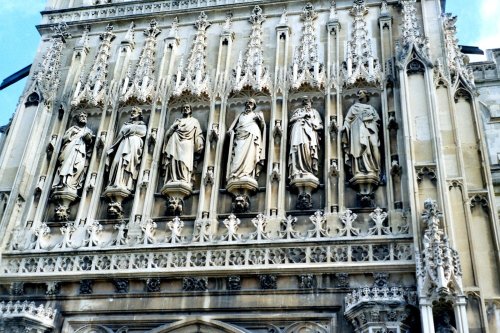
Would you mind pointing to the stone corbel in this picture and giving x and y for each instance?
(392, 124)
(39, 185)
(334, 168)
(277, 131)
(275, 174)
(213, 135)
(51, 146)
(334, 127)
(92, 181)
(145, 178)
(209, 176)
(101, 141)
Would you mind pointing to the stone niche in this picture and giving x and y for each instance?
(254, 197)
(63, 202)
(165, 203)
(317, 190)
(372, 193)
(106, 208)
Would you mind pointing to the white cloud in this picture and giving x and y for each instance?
(489, 37)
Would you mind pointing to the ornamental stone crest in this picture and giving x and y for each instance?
(251, 71)
(141, 85)
(306, 68)
(93, 88)
(194, 79)
(360, 65)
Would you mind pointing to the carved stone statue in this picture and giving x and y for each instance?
(304, 140)
(124, 156)
(72, 166)
(73, 158)
(303, 156)
(183, 145)
(246, 150)
(443, 324)
(361, 144)
(123, 160)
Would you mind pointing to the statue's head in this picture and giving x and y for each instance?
(136, 113)
(186, 110)
(81, 118)
(306, 102)
(363, 96)
(250, 104)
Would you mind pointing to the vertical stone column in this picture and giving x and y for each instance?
(426, 317)
(279, 111)
(333, 117)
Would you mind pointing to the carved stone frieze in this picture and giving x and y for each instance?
(153, 285)
(86, 287)
(121, 286)
(307, 281)
(194, 284)
(194, 78)
(268, 281)
(234, 282)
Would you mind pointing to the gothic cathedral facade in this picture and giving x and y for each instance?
(248, 166)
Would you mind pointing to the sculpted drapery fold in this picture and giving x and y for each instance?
(247, 144)
(73, 158)
(124, 156)
(303, 156)
(184, 144)
(360, 138)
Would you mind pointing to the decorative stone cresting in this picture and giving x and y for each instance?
(93, 88)
(412, 40)
(194, 79)
(306, 69)
(39, 317)
(360, 65)
(251, 71)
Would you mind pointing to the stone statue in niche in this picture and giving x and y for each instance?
(183, 146)
(361, 144)
(247, 148)
(443, 325)
(123, 161)
(303, 156)
(72, 164)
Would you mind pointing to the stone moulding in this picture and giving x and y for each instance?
(317, 255)
(126, 10)
(41, 314)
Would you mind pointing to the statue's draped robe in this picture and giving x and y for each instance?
(360, 140)
(248, 145)
(185, 141)
(73, 158)
(127, 149)
(304, 142)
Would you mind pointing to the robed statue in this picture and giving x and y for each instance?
(247, 144)
(360, 138)
(305, 126)
(184, 145)
(73, 159)
(124, 156)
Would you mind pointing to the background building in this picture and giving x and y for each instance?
(229, 166)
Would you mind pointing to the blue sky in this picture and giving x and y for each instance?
(478, 24)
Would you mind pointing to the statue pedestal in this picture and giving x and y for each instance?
(63, 197)
(241, 189)
(365, 184)
(116, 195)
(176, 192)
(305, 184)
